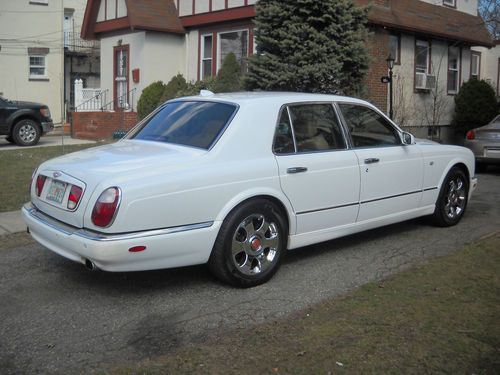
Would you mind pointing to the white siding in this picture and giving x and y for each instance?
(467, 6)
(101, 16)
(122, 9)
(111, 10)
(202, 7)
(218, 4)
(185, 7)
(490, 65)
(192, 55)
(235, 3)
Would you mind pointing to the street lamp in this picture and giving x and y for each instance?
(388, 79)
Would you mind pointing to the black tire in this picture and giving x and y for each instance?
(258, 233)
(10, 139)
(26, 132)
(452, 199)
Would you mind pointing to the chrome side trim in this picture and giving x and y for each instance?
(104, 237)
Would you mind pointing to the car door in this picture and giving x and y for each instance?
(318, 173)
(391, 172)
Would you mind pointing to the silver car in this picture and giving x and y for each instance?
(485, 144)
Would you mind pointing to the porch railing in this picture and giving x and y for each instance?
(123, 102)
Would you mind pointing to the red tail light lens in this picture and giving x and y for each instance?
(106, 207)
(74, 197)
(471, 135)
(40, 181)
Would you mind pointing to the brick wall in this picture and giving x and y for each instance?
(378, 46)
(101, 125)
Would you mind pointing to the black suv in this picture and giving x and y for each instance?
(24, 122)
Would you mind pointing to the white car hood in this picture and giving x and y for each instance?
(110, 165)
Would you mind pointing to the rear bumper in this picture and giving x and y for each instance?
(47, 126)
(165, 248)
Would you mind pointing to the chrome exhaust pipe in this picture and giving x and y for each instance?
(90, 265)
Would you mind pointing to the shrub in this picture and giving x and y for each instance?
(475, 105)
(150, 99)
(229, 76)
(194, 88)
(174, 86)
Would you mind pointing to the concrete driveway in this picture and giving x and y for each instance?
(45, 141)
(58, 317)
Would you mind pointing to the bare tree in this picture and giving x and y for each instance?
(490, 12)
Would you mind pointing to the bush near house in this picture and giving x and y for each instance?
(228, 80)
(150, 99)
(475, 105)
(309, 46)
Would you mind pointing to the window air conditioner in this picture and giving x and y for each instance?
(420, 81)
(430, 82)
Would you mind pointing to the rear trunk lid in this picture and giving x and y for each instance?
(94, 167)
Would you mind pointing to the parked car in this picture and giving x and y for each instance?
(485, 144)
(234, 180)
(24, 122)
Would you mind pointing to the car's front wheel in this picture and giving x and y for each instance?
(452, 199)
(250, 245)
(26, 133)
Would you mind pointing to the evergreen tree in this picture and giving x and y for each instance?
(174, 86)
(150, 99)
(309, 45)
(229, 76)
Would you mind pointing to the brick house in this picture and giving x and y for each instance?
(150, 40)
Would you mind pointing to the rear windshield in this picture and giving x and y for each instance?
(196, 124)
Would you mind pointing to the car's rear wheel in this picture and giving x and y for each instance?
(26, 133)
(452, 199)
(250, 245)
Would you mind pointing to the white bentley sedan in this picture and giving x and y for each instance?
(235, 180)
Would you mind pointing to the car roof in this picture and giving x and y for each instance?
(268, 97)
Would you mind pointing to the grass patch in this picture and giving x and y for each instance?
(16, 169)
(442, 317)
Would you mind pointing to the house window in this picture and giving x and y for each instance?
(395, 47)
(235, 42)
(450, 3)
(475, 64)
(38, 67)
(206, 56)
(453, 69)
(422, 57)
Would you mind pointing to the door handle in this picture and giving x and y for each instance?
(296, 170)
(371, 160)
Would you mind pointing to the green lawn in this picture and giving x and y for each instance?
(16, 167)
(442, 317)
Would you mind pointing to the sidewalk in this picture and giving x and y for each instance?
(11, 222)
(45, 141)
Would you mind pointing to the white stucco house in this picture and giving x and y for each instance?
(431, 41)
(41, 52)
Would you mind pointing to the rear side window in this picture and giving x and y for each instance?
(315, 128)
(195, 124)
(368, 128)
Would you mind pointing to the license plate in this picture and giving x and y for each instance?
(56, 191)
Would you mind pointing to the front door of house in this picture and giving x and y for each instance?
(121, 63)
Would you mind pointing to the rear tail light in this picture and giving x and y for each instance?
(74, 197)
(470, 135)
(106, 207)
(40, 181)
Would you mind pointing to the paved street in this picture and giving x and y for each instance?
(59, 317)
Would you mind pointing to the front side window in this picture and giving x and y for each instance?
(368, 128)
(195, 124)
(453, 69)
(37, 64)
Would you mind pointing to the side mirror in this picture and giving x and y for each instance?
(408, 139)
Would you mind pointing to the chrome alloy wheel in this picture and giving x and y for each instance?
(455, 199)
(27, 133)
(255, 244)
